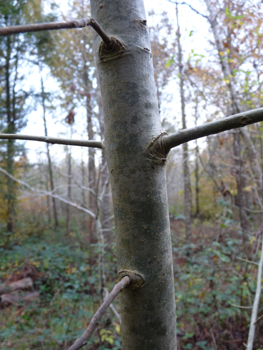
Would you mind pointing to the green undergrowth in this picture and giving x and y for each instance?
(214, 288)
(66, 278)
(211, 283)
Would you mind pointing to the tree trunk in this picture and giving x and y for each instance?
(137, 175)
(197, 207)
(235, 108)
(10, 195)
(92, 204)
(50, 170)
(186, 171)
(68, 217)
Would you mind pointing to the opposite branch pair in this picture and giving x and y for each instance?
(170, 141)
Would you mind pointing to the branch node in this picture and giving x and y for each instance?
(137, 280)
(104, 36)
(110, 52)
(156, 150)
(245, 120)
(82, 22)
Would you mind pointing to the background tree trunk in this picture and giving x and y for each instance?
(186, 171)
(10, 195)
(50, 170)
(235, 108)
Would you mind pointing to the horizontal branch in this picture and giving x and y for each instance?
(82, 340)
(53, 140)
(228, 123)
(80, 23)
(77, 23)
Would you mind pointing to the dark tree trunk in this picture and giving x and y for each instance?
(10, 193)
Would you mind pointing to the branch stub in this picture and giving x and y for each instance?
(136, 278)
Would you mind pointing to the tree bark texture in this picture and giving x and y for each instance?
(138, 178)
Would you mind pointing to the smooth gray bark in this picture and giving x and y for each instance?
(138, 179)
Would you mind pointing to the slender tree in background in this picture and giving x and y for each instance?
(235, 108)
(186, 171)
(197, 189)
(13, 99)
(50, 169)
(70, 121)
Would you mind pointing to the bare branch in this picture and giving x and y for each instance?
(232, 122)
(53, 140)
(77, 23)
(80, 23)
(247, 261)
(254, 314)
(50, 194)
(191, 7)
(82, 341)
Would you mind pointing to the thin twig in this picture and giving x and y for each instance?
(53, 140)
(241, 307)
(254, 314)
(191, 7)
(112, 306)
(260, 317)
(50, 194)
(81, 341)
(247, 261)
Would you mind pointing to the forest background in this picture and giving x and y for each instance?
(51, 197)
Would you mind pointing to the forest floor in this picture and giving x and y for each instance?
(61, 290)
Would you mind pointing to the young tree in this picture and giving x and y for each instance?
(136, 149)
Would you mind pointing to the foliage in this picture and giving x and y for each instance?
(68, 296)
(210, 286)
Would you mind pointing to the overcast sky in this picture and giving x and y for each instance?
(189, 21)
